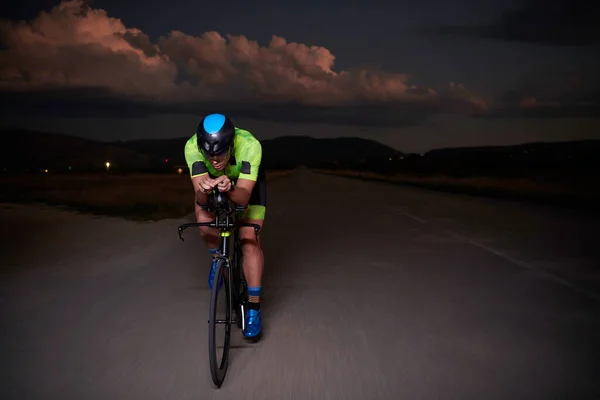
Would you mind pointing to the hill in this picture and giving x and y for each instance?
(570, 159)
(280, 153)
(303, 150)
(38, 150)
(31, 150)
(565, 150)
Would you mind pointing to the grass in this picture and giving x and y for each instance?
(138, 197)
(152, 197)
(574, 193)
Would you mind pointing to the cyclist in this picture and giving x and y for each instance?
(222, 155)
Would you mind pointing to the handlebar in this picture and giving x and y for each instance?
(217, 225)
(220, 203)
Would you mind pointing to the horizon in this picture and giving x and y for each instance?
(117, 142)
(440, 75)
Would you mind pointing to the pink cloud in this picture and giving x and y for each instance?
(74, 45)
(68, 47)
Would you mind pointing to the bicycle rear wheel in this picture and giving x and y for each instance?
(219, 359)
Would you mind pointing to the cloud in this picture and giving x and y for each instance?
(555, 23)
(552, 94)
(78, 49)
(76, 46)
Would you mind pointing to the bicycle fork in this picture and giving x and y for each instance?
(233, 266)
(235, 295)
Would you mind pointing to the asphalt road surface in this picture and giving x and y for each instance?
(371, 291)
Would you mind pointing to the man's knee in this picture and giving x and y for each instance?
(248, 239)
(203, 216)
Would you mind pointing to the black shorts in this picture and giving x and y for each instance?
(258, 197)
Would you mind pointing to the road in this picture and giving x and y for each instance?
(372, 291)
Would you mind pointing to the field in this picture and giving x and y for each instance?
(574, 193)
(140, 197)
(152, 197)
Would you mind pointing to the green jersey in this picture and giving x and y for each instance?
(244, 162)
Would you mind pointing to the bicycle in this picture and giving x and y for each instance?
(229, 269)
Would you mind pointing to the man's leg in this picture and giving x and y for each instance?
(253, 266)
(253, 255)
(209, 235)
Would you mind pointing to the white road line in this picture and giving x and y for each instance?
(526, 265)
(501, 254)
(421, 220)
(407, 214)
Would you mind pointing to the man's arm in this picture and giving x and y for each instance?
(241, 192)
(198, 170)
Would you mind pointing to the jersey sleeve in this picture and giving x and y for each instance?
(250, 161)
(194, 159)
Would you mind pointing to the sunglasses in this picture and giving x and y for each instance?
(217, 158)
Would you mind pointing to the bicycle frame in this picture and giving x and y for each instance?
(226, 222)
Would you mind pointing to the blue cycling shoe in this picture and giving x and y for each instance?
(253, 322)
(211, 274)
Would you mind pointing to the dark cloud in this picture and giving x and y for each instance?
(77, 60)
(546, 110)
(550, 94)
(556, 23)
(102, 103)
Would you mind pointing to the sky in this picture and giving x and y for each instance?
(415, 75)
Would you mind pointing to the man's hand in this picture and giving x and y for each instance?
(206, 184)
(223, 183)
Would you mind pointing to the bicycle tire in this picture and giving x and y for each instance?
(217, 370)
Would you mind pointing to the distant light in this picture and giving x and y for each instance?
(179, 171)
(45, 170)
(166, 160)
(390, 158)
(70, 168)
(107, 164)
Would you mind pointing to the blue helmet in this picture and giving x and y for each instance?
(215, 135)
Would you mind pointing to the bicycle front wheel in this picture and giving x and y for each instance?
(239, 287)
(219, 318)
